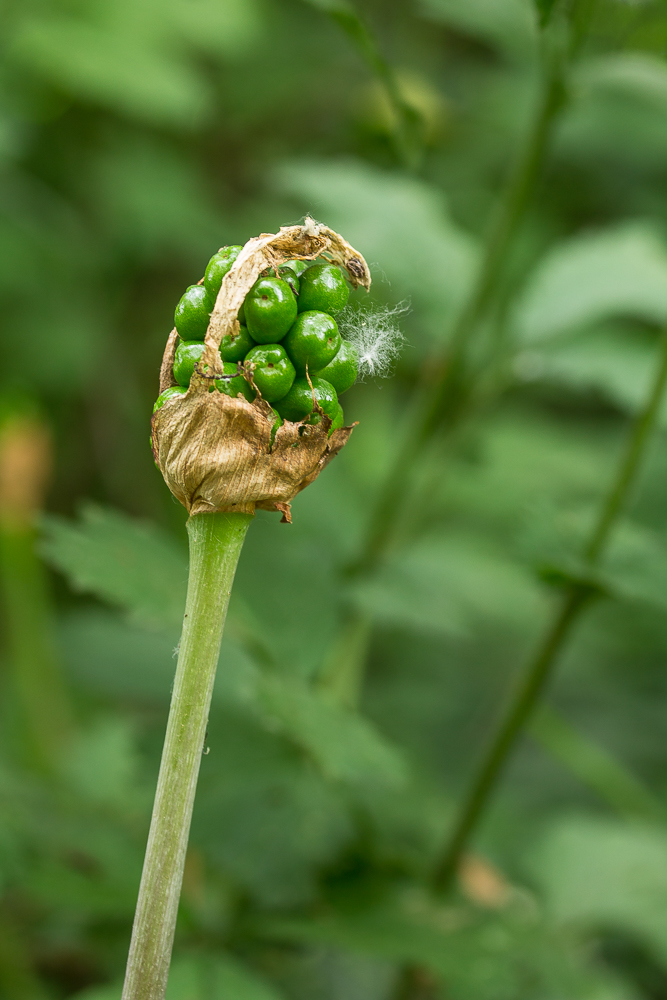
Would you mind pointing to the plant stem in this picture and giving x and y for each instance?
(41, 705)
(442, 402)
(407, 121)
(595, 767)
(342, 673)
(215, 545)
(539, 669)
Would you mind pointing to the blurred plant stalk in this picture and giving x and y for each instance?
(629, 795)
(595, 767)
(442, 404)
(215, 542)
(577, 594)
(17, 977)
(408, 127)
(44, 711)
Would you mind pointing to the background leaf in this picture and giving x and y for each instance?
(598, 872)
(129, 564)
(592, 278)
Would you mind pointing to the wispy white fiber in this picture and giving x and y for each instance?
(376, 335)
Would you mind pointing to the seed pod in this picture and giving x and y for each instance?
(216, 452)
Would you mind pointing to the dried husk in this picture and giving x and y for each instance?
(215, 452)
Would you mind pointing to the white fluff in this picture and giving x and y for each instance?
(375, 335)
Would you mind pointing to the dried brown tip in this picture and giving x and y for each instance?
(25, 467)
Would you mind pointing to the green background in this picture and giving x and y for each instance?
(137, 137)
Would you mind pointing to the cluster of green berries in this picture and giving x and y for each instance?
(287, 330)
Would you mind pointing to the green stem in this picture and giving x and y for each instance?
(595, 767)
(407, 125)
(44, 711)
(215, 545)
(443, 402)
(541, 666)
(342, 674)
(17, 976)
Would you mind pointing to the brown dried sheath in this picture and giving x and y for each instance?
(215, 452)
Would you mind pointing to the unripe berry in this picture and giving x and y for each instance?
(217, 267)
(270, 309)
(343, 368)
(323, 287)
(312, 341)
(188, 353)
(272, 371)
(298, 402)
(236, 349)
(193, 313)
(235, 385)
(173, 392)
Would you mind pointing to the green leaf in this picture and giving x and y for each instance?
(424, 254)
(209, 978)
(449, 585)
(545, 9)
(203, 978)
(92, 868)
(616, 116)
(269, 821)
(228, 28)
(131, 564)
(473, 955)
(510, 25)
(618, 362)
(639, 75)
(345, 745)
(290, 591)
(105, 655)
(98, 63)
(592, 764)
(636, 564)
(136, 567)
(149, 197)
(102, 764)
(601, 873)
(590, 278)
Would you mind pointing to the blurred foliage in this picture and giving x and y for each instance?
(137, 138)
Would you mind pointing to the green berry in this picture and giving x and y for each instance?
(338, 420)
(236, 349)
(241, 314)
(343, 368)
(313, 340)
(272, 371)
(289, 275)
(323, 287)
(270, 310)
(188, 354)
(277, 422)
(217, 268)
(174, 392)
(193, 313)
(298, 266)
(298, 402)
(234, 386)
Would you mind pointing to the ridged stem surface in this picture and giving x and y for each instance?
(215, 545)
